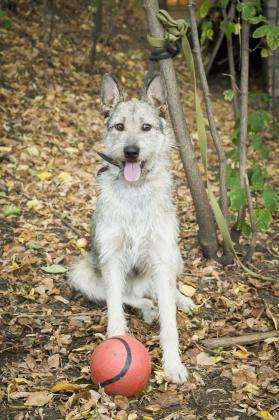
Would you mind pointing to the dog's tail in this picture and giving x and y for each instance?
(83, 277)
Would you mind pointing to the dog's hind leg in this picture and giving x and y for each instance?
(84, 278)
(184, 303)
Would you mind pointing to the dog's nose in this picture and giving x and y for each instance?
(131, 152)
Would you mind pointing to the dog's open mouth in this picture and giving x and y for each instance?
(132, 170)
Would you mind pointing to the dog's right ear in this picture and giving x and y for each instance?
(111, 93)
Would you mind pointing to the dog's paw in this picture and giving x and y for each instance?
(149, 312)
(176, 372)
(186, 304)
(116, 329)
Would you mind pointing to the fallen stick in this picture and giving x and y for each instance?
(212, 343)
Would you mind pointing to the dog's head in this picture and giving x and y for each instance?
(135, 133)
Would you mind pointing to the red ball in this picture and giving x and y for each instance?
(120, 365)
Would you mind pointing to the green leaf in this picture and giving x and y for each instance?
(263, 219)
(224, 3)
(257, 19)
(228, 95)
(260, 32)
(247, 10)
(228, 27)
(232, 178)
(264, 53)
(54, 269)
(257, 177)
(257, 120)
(272, 37)
(204, 8)
(238, 198)
(207, 31)
(244, 227)
(7, 24)
(256, 140)
(33, 245)
(11, 211)
(270, 199)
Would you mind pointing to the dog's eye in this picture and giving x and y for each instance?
(119, 127)
(146, 127)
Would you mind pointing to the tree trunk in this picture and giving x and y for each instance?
(46, 37)
(96, 32)
(207, 229)
(211, 120)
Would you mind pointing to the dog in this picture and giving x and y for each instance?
(135, 258)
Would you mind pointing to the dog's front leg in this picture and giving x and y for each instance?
(165, 290)
(113, 277)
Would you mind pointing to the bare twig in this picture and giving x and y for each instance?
(231, 61)
(205, 219)
(219, 40)
(212, 343)
(211, 120)
(217, 45)
(243, 105)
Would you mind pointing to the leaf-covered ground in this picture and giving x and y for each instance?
(47, 194)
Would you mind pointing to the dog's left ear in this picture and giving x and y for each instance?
(154, 92)
(111, 93)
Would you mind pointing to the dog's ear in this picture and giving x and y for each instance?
(111, 93)
(154, 92)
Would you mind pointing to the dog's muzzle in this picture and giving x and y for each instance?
(132, 166)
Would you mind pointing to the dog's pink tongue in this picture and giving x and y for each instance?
(132, 171)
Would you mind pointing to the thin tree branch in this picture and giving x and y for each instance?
(211, 120)
(231, 61)
(243, 105)
(215, 51)
(212, 343)
(218, 43)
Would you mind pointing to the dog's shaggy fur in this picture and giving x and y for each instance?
(135, 257)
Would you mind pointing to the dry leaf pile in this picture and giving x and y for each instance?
(47, 194)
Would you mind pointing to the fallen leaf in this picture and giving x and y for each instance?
(68, 387)
(43, 176)
(241, 354)
(187, 290)
(65, 177)
(121, 402)
(53, 361)
(153, 408)
(203, 359)
(251, 389)
(38, 399)
(54, 269)
(121, 415)
(11, 211)
(34, 204)
(265, 415)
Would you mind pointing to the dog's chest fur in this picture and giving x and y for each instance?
(130, 220)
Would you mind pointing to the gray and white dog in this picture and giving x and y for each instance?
(135, 258)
